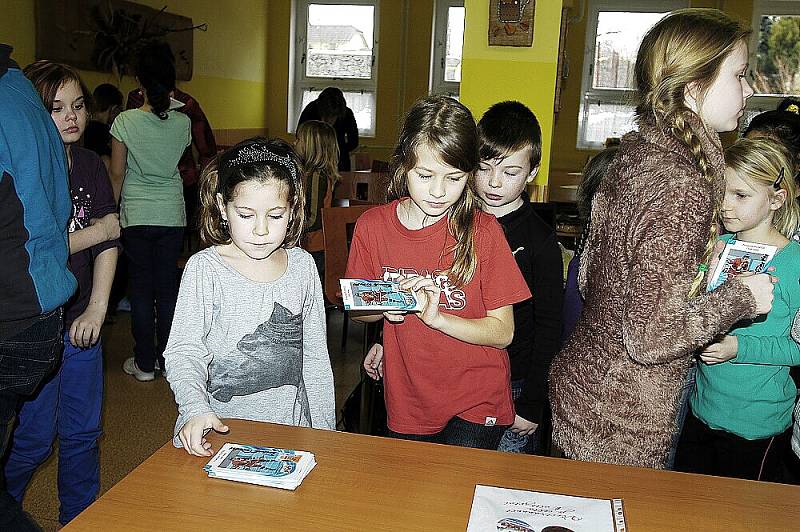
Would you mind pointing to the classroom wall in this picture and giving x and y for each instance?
(403, 66)
(490, 74)
(229, 59)
(565, 154)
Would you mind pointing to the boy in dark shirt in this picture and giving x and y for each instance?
(106, 105)
(511, 147)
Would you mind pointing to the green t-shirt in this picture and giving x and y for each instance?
(752, 395)
(152, 193)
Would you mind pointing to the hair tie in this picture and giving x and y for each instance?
(702, 268)
(253, 153)
(793, 108)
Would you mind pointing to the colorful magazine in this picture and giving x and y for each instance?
(266, 466)
(361, 294)
(506, 510)
(739, 257)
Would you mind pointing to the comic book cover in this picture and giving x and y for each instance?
(267, 466)
(361, 294)
(739, 257)
(510, 510)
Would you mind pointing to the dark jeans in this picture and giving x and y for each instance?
(717, 452)
(683, 409)
(153, 253)
(459, 432)
(27, 356)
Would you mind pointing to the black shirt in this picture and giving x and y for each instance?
(346, 131)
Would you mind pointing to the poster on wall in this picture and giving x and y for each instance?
(105, 35)
(511, 22)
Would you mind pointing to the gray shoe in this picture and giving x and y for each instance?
(130, 367)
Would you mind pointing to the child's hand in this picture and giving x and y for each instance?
(761, 286)
(428, 294)
(193, 433)
(85, 330)
(721, 351)
(373, 362)
(523, 427)
(109, 224)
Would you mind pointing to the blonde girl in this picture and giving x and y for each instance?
(319, 155)
(615, 388)
(741, 418)
(248, 338)
(445, 368)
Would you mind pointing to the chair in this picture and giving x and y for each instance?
(337, 229)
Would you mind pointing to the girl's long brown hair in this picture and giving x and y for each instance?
(688, 45)
(448, 129)
(319, 155)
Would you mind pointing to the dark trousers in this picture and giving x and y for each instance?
(717, 452)
(27, 356)
(153, 253)
(461, 433)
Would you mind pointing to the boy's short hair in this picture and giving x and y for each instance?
(106, 96)
(510, 126)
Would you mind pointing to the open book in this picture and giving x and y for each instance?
(502, 509)
(739, 257)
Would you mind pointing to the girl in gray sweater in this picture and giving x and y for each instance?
(248, 338)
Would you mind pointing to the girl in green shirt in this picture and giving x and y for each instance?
(742, 407)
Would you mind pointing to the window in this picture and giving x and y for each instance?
(614, 31)
(774, 54)
(448, 42)
(336, 44)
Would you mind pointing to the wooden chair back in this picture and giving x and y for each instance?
(337, 227)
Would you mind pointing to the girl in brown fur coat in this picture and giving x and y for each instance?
(615, 387)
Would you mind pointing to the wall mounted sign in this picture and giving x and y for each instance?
(511, 22)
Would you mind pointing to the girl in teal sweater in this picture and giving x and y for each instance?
(741, 417)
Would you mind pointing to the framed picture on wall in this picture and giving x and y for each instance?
(511, 22)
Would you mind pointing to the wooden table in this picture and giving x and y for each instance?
(362, 185)
(369, 483)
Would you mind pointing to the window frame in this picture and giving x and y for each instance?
(758, 103)
(299, 82)
(441, 18)
(590, 95)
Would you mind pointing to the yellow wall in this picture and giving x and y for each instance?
(490, 74)
(229, 59)
(402, 75)
(565, 135)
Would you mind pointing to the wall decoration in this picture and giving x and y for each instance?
(511, 22)
(106, 35)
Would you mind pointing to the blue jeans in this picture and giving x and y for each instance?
(29, 350)
(686, 393)
(153, 253)
(67, 406)
(458, 432)
(511, 442)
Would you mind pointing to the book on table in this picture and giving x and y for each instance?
(740, 257)
(510, 510)
(265, 466)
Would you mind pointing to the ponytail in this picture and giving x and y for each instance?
(155, 70)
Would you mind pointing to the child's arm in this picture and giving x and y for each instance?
(100, 230)
(85, 329)
(119, 164)
(749, 349)
(186, 357)
(495, 330)
(317, 373)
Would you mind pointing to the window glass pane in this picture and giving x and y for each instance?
(339, 41)
(619, 35)
(455, 44)
(776, 71)
(361, 103)
(606, 120)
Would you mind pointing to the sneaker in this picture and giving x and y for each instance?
(131, 368)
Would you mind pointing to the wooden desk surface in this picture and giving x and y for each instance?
(370, 483)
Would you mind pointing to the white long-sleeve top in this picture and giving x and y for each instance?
(250, 350)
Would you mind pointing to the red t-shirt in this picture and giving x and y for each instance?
(431, 377)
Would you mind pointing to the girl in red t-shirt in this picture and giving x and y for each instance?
(446, 371)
